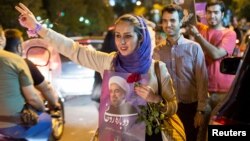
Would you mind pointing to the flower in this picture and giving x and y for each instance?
(134, 78)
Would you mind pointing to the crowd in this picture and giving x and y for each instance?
(192, 84)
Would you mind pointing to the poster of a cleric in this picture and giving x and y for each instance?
(119, 108)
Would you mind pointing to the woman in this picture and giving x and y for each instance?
(133, 43)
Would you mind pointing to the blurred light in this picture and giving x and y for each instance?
(79, 67)
(237, 41)
(155, 11)
(61, 14)
(51, 25)
(133, 1)
(45, 25)
(87, 21)
(138, 3)
(38, 18)
(81, 19)
(112, 2)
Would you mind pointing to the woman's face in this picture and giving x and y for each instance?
(126, 39)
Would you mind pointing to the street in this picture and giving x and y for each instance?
(81, 116)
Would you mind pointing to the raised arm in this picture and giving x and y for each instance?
(64, 45)
(213, 51)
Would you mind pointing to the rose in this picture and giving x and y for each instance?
(134, 77)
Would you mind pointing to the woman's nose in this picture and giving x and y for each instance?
(123, 42)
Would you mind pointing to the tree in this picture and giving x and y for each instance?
(65, 16)
(241, 8)
(9, 16)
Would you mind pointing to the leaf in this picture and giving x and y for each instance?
(162, 117)
(149, 130)
(151, 115)
(156, 113)
(157, 130)
(151, 118)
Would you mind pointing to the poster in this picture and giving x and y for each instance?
(119, 109)
(188, 9)
(201, 12)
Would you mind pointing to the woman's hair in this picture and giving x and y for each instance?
(134, 21)
(1, 28)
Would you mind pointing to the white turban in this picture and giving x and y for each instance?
(119, 81)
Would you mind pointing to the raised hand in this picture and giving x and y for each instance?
(26, 18)
(193, 30)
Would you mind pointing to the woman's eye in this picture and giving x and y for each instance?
(118, 36)
(128, 36)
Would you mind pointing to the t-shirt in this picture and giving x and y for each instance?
(14, 74)
(218, 82)
(37, 76)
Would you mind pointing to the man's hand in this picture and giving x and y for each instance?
(55, 107)
(28, 115)
(198, 119)
(193, 30)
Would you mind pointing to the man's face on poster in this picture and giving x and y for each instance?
(117, 94)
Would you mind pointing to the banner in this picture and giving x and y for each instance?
(201, 12)
(119, 109)
(188, 9)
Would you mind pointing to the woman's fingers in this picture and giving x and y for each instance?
(26, 9)
(144, 91)
(20, 10)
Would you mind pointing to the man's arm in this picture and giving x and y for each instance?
(42, 85)
(32, 98)
(48, 93)
(209, 49)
